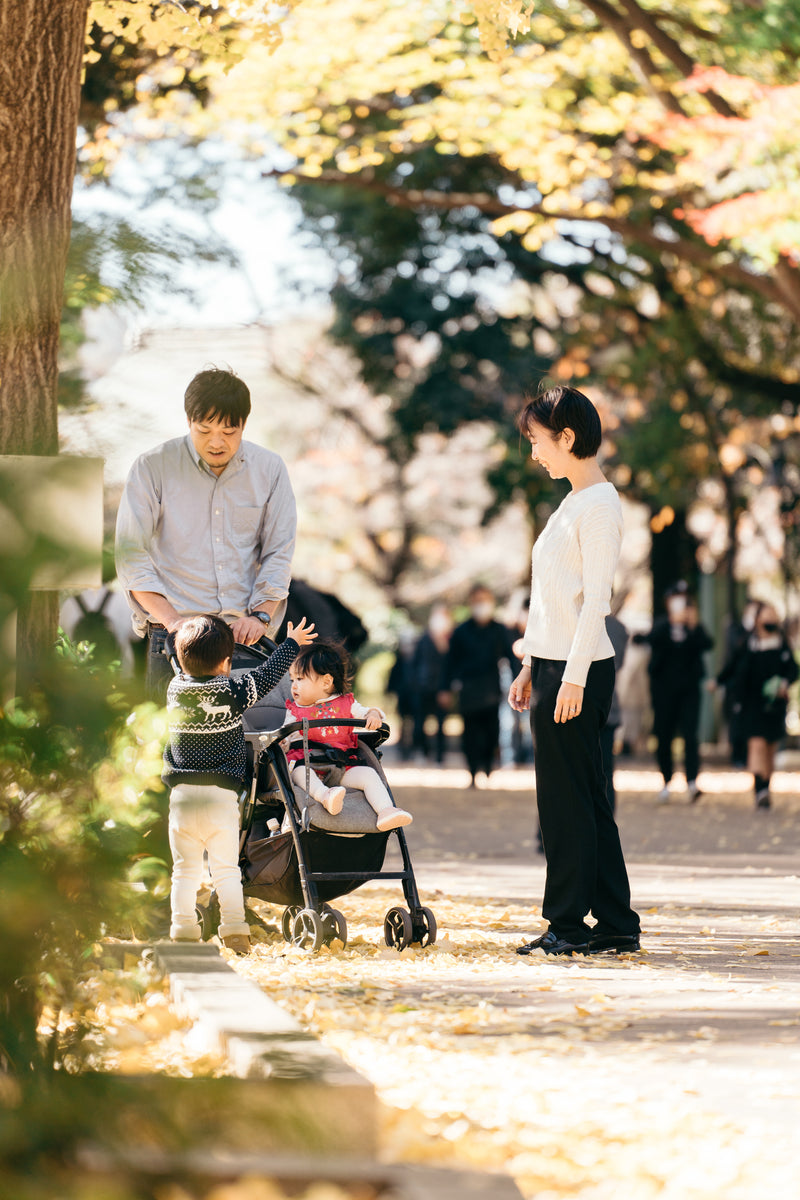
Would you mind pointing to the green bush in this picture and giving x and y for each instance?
(82, 849)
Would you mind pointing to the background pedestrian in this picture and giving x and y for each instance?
(677, 644)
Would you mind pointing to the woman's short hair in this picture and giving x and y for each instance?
(202, 644)
(558, 408)
(325, 658)
(217, 393)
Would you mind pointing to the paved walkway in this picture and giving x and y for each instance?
(710, 1012)
(671, 1073)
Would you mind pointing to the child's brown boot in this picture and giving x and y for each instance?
(238, 942)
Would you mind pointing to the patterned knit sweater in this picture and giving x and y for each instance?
(572, 573)
(206, 734)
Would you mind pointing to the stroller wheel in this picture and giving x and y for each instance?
(334, 924)
(287, 921)
(424, 927)
(308, 930)
(208, 917)
(398, 930)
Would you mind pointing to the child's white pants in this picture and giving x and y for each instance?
(203, 817)
(364, 778)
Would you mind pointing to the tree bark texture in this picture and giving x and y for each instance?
(41, 52)
(41, 56)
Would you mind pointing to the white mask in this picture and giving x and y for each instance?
(439, 625)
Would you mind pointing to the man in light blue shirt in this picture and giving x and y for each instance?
(206, 524)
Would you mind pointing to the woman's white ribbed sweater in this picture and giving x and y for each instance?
(572, 572)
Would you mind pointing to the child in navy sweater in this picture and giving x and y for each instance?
(205, 764)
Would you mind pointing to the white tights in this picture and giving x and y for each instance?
(364, 778)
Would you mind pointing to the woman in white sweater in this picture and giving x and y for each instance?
(567, 680)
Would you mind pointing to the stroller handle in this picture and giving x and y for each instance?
(277, 735)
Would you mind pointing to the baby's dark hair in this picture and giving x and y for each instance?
(202, 644)
(326, 658)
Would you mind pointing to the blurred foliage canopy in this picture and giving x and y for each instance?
(554, 205)
(602, 191)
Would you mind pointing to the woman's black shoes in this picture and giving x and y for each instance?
(551, 943)
(620, 943)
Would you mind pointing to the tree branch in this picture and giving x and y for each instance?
(635, 17)
(781, 287)
(639, 56)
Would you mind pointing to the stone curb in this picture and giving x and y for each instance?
(281, 1071)
(391, 1181)
(276, 1062)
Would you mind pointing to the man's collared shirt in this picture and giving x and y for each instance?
(209, 543)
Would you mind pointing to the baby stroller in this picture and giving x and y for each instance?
(312, 857)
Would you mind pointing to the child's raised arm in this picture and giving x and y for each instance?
(303, 634)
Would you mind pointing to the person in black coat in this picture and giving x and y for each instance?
(736, 641)
(765, 671)
(619, 640)
(471, 671)
(402, 683)
(429, 659)
(677, 644)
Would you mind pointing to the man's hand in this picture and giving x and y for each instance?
(247, 630)
(158, 609)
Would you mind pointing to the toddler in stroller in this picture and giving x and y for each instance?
(319, 680)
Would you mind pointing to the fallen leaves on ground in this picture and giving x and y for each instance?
(486, 1060)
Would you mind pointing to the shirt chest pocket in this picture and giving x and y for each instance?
(246, 525)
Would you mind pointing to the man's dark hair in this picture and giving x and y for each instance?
(560, 408)
(217, 393)
(325, 658)
(202, 644)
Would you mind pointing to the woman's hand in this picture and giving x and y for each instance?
(519, 694)
(569, 702)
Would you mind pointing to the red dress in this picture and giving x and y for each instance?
(343, 737)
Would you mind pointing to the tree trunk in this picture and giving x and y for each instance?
(41, 52)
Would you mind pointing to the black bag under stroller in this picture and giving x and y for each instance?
(316, 857)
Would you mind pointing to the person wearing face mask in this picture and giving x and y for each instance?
(429, 658)
(764, 673)
(677, 644)
(472, 672)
